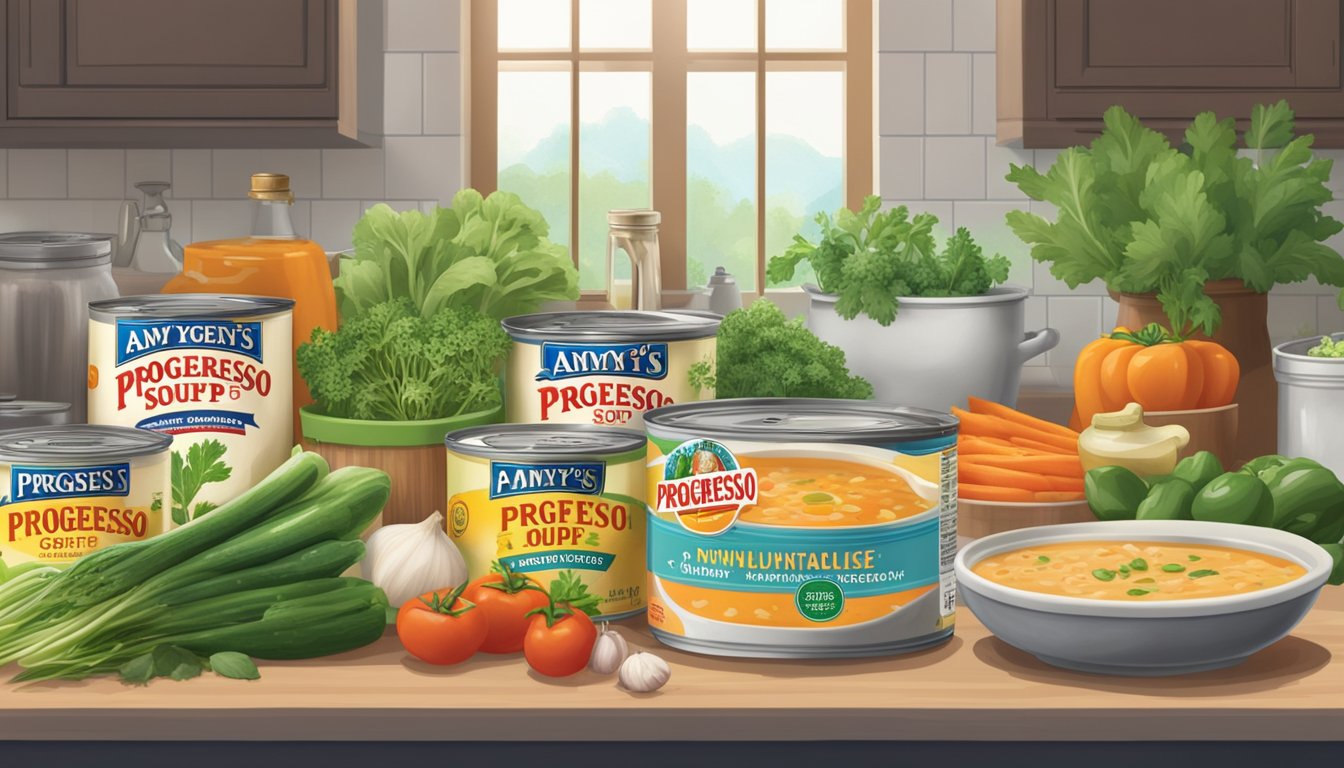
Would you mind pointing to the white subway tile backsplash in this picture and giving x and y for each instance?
(997, 160)
(901, 85)
(403, 93)
(914, 25)
(181, 230)
(423, 167)
(973, 25)
(303, 166)
(443, 94)
(423, 25)
(985, 220)
(96, 173)
(1035, 317)
(902, 168)
(947, 93)
(220, 219)
(192, 169)
(37, 173)
(1329, 318)
(333, 221)
(1110, 309)
(231, 171)
(1078, 320)
(352, 173)
(983, 105)
(954, 167)
(67, 215)
(147, 165)
(1291, 317)
(105, 215)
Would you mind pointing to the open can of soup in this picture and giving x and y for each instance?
(801, 528)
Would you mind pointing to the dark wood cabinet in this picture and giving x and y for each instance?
(1061, 63)
(184, 72)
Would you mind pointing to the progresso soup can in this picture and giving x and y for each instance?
(801, 528)
(69, 490)
(547, 498)
(214, 370)
(605, 368)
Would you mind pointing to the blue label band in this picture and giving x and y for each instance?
(228, 422)
(576, 559)
(137, 338)
(35, 483)
(509, 479)
(568, 361)
(875, 560)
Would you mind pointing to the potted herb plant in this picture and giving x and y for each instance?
(927, 328)
(1191, 237)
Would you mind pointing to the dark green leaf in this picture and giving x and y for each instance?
(139, 670)
(170, 661)
(237, 666)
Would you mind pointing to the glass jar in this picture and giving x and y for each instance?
(635, 232)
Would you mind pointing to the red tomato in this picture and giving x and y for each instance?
(561, 649)
(440, 627)
(505, 604)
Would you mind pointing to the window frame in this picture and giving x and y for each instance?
(669, 62)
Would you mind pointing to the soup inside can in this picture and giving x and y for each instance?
(801, 528)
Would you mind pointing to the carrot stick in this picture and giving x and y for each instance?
(979, 424)
(1055, 496)
(980, 446)
(991, 493)
(978, 474)
(1039, 447)
(991, 408)
(1052, 464)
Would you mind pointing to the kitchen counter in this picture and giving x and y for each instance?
(973, 688)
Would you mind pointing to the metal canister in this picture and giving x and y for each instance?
(47, 280)
(20, 414)
(801, 528)
(1311, 403)
(605, 368)
(70, 490)
(547, 498)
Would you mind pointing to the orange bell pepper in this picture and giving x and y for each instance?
(1222, 373)
(1165, 377)
(1087, 392)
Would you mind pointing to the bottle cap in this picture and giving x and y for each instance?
(634, 217)
(271, 186)
(722, 277)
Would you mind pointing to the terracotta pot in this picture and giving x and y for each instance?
(1211, 429)
(1245, 333)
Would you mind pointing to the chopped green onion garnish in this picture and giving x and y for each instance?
(1201, 574)
(1145, 581)
(1042, 559)
(1173, 567)
(1139, 564)
(1124, 569)
(1138, 592)
(1104, 575)
(819, 497)
(1195, 558)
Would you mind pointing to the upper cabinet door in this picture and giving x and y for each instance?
(1063, 62)
(183, 59)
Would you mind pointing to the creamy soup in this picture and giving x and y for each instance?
(1137, 571)
(813, 492)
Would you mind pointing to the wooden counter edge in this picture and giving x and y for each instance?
(634, 724)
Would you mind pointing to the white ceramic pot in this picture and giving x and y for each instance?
(1311, 403)
(938, 351)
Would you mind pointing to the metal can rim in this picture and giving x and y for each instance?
(672, 420)
(617, 325)
(100, 443)
(617, 441)
(178, 306)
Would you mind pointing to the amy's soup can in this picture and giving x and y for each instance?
(69, 490)
(546, 498)
(801, 528)
(605, 368)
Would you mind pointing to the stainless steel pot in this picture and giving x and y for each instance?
(938, 351)
(20, 414)
(1311, 403)
(47, 280)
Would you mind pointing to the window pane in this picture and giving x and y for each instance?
(616, 24)
(804, 157)
(804, 24)
(534, 25)
(614, 167)
(721, 25)
(534, 144)
(721, 176)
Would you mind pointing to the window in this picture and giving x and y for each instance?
(738, 120)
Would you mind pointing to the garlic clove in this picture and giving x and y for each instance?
(408, 560)
(609, 651)
(644, 672)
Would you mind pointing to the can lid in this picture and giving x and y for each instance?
(613, 325)
(1291, 360)
(180, 305)
(12, 408)
(55, 249)
(80, 443)
(542, 441)
(803, 419)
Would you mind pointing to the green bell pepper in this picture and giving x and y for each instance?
(1256, 466)
(1198, 469)
(1337, 554)
(1155, 480)
(1171, 500)
(1235, 497)
(1114, 493)
(1308, 500)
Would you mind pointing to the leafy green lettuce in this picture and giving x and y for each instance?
(1144, 216)
(489, 254)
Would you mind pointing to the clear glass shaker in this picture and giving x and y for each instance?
(635, 232)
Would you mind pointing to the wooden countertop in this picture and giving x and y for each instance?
(972, 688)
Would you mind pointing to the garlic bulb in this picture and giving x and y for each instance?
(609, 651)
(409, 560)
(644, 672)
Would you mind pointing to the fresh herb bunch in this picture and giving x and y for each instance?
(392, 364)
(204, 463)
(490, 254)
(1146, 217)
(1327, 348)
(870, 259)
(761, 353)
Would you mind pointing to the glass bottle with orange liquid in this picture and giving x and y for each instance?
(273, 261)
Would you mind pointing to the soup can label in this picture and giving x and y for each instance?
(750, 542)
(540, 518)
